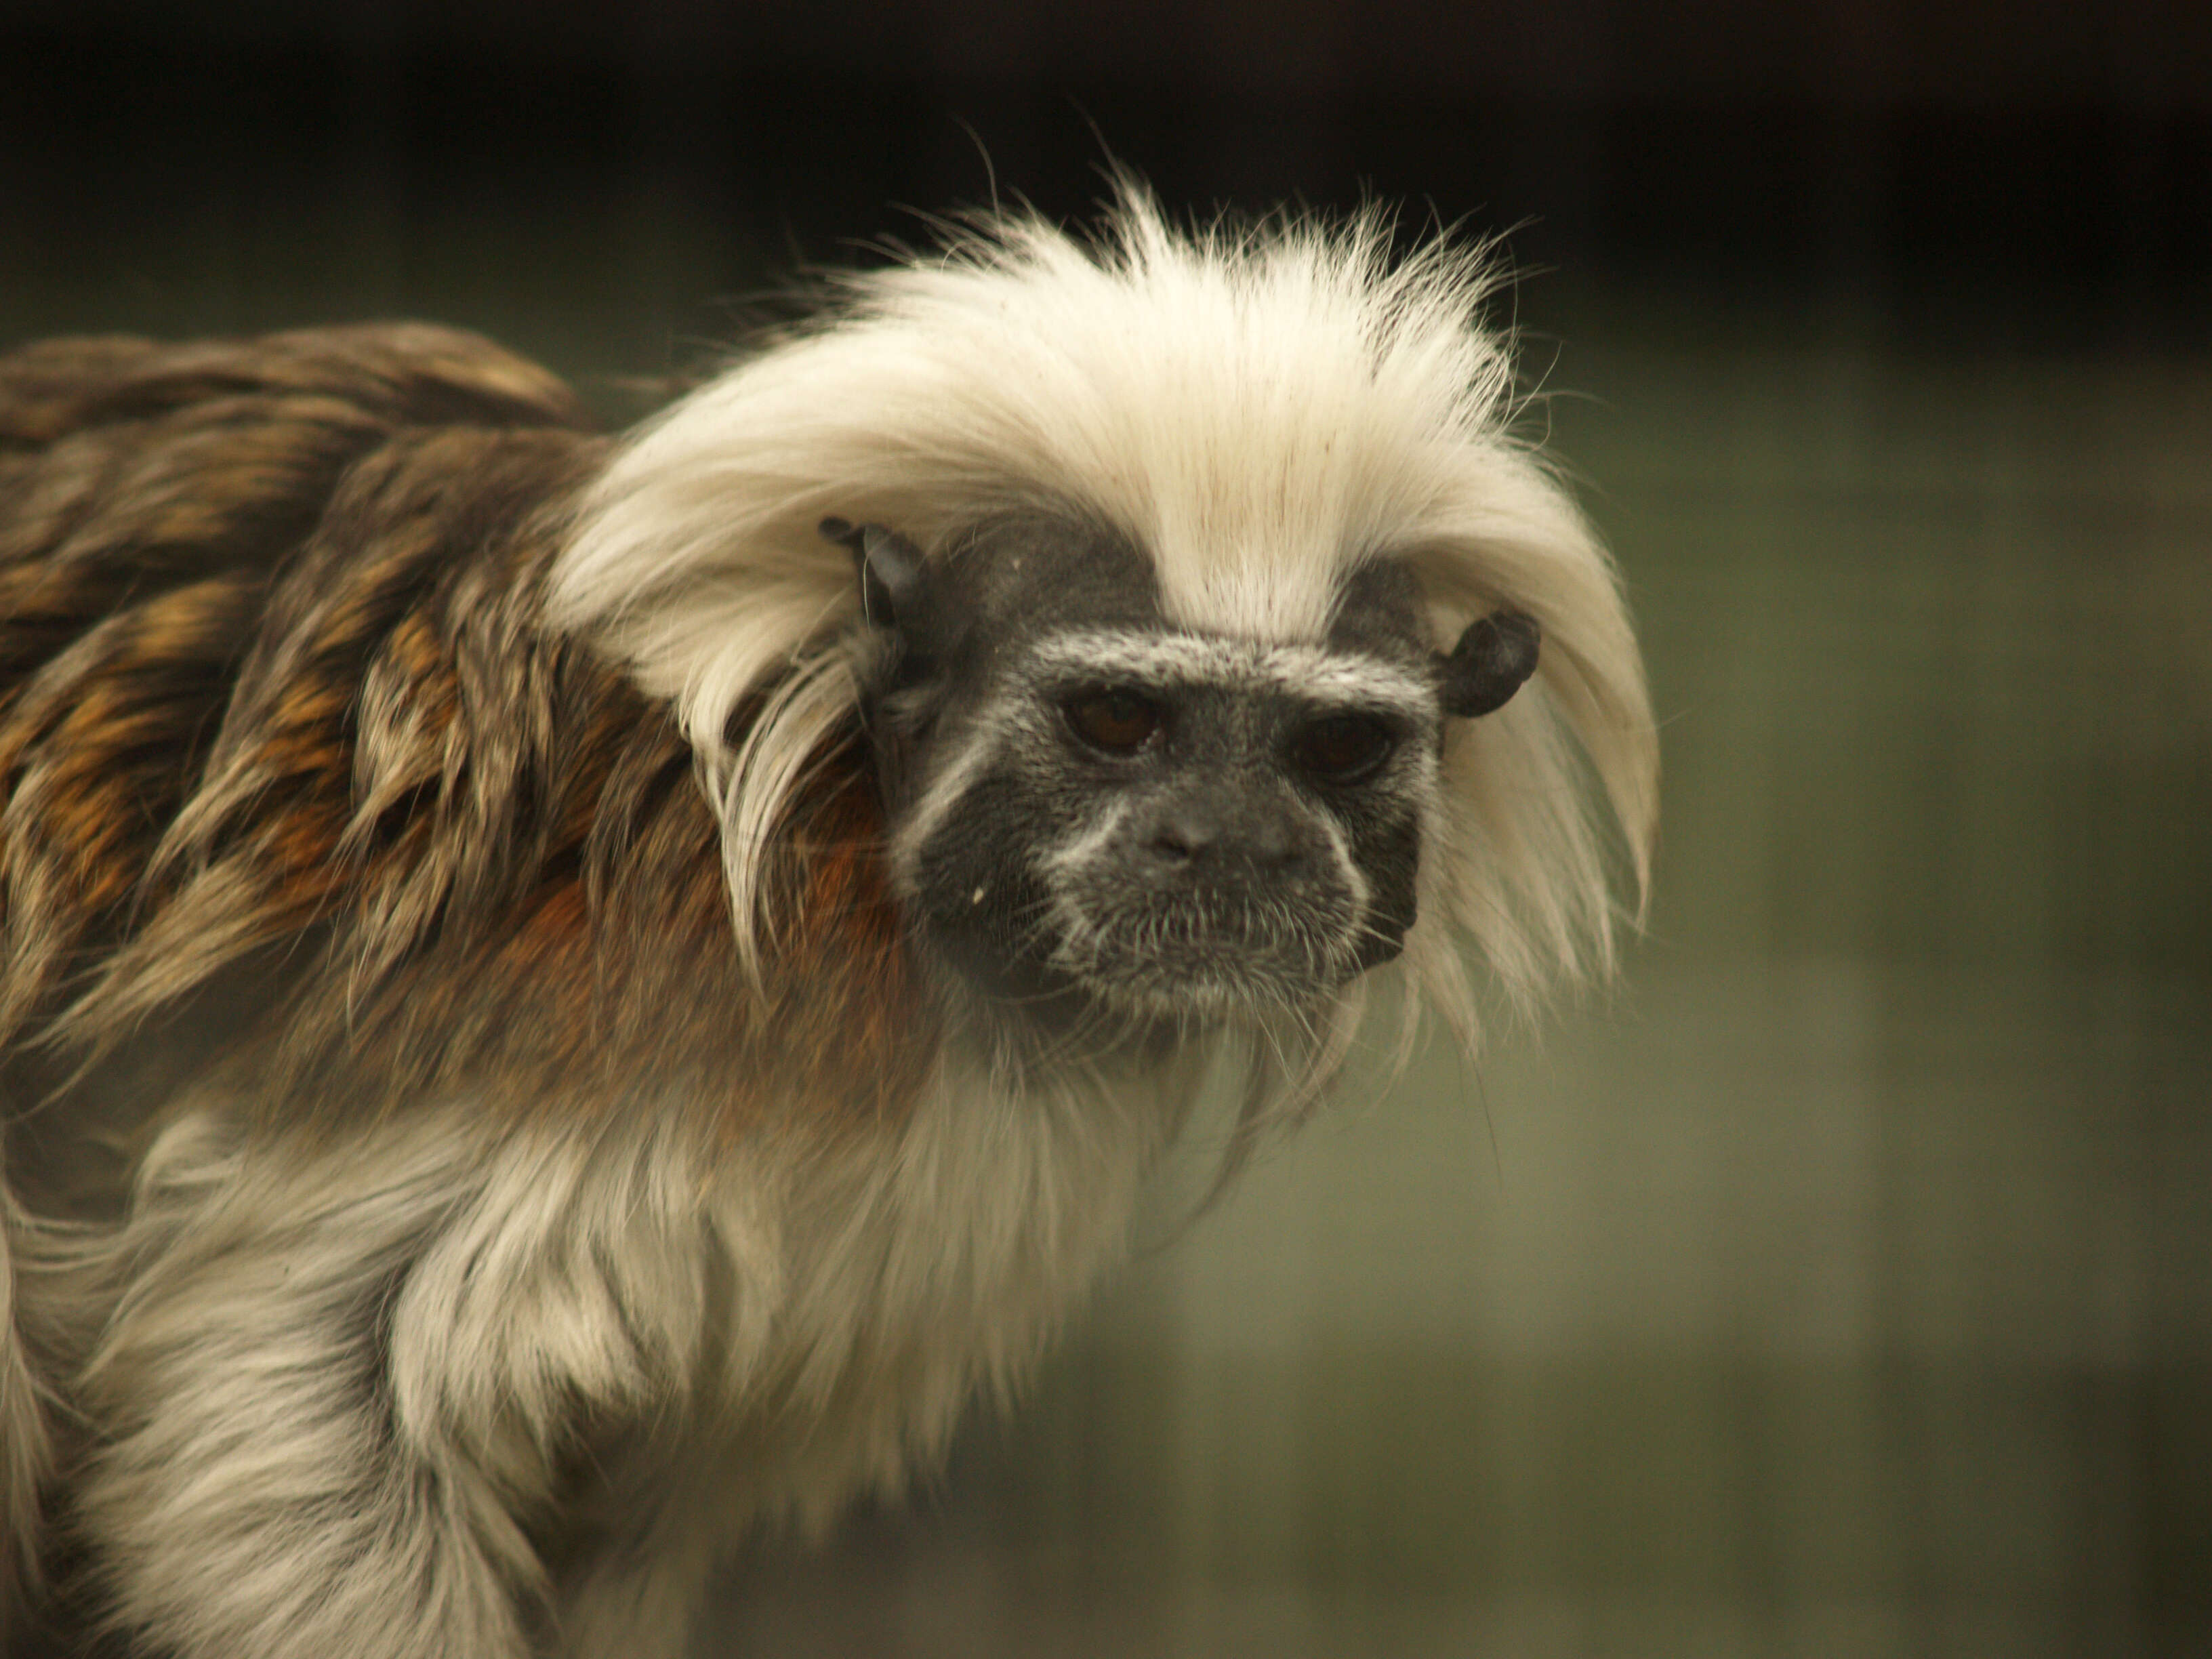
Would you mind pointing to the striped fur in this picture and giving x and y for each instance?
(479, 1134)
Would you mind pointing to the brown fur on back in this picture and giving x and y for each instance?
(298, 782)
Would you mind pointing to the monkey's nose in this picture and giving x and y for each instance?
(1182, 833)
(1189, 835)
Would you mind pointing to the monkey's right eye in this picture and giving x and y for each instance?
(1115, 720)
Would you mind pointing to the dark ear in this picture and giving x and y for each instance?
(1489, 663)
(889, 567)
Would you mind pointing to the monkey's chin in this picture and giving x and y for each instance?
(1114, 1002)
(1134, 979)
(1225, 986)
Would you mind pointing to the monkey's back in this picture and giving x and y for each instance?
(295, 774)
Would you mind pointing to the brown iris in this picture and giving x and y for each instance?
(1343, 748)
(1114, 718)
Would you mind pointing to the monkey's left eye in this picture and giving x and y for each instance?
(1118, 720)
(1344, 748)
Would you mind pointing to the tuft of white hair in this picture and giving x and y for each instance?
(1261, 409)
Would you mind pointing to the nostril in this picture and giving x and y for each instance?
(1177, 842)
(1181, 835)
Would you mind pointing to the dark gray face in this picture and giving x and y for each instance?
(1091, 807)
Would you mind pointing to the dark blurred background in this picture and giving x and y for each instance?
(1841, 1286)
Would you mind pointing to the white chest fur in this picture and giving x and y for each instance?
(444, 1311)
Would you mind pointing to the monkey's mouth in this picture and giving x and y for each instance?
(1207, 954)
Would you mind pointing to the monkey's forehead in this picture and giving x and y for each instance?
(1311, 673)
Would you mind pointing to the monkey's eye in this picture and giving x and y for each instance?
(1114, 719)
(1343, 748)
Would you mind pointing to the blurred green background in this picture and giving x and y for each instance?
(1840, 1283)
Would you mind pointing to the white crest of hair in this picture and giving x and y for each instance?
(1260, 409)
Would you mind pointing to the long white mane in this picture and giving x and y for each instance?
(1261, 408)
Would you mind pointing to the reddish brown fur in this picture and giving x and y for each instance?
(278, 709)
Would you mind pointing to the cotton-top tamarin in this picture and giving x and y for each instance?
(563, 996)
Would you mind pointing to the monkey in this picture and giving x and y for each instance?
(568, 997)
